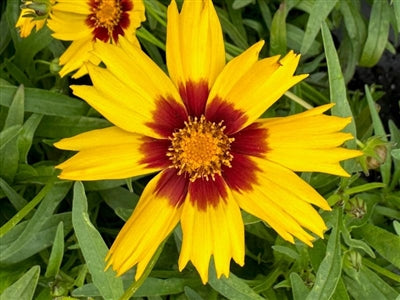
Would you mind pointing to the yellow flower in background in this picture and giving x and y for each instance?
(87, 22)
(200, 130)
(33, 15)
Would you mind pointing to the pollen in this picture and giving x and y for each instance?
(107, 13)
(109, 18)
(200, 149)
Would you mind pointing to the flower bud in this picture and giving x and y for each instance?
(353, 260)
(356, 207)
(375, 152)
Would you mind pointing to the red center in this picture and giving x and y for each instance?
(109, 18)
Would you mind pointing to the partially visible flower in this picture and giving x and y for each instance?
(87, 22)
(33, 14)
(200, 130)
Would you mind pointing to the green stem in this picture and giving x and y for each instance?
(42, 62)
(136, 284)
(27, 208)
(360, 144)
(298, 100)
(381, 270)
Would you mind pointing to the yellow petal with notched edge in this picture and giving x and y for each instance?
(234, 70)
(126, 106)
(309, 141)
(151, 222)
(134, 68)
(283, 200)
(109, 153)
(259, 87)
(216, 230)
(76, 54)
(195, 46)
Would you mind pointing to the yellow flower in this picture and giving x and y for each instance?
(33, 14)
(200, 129)
(88, 22)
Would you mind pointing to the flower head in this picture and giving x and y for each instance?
(200, 130)
(33, 15)
(87, 22)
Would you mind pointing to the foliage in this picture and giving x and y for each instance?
(55, 234)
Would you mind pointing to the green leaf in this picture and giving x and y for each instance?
(45, 102)
(340, 291)
(191, 294)
(238, 39)
(61, 127)
(265, 12)
(237, 4)
(5, 36)
(354, 243)
(385, 243)
(23, 288)
(299, 289)
(57, 253)
(7, 136)
(354, 24)
(320, 11)
(16, 199)
(395, 153)
(93, 248)
(295, 36)
(330, 269)
(26, 137)
(40, 240)
(15, 114)
(337, 89)
(378, 32)
(152, 287)
(26, 209)
(232, 287)
(278, 43)
(9, 159)
(121, 201)
(365, 284)
(286, 251)
(364, 187)
(396, 8)
(46, 208)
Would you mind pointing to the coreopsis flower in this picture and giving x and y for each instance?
(33, 15)
(87, 22)
(200, 129)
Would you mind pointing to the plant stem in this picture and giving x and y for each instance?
(298, 100)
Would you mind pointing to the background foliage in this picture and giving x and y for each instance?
(55, 234)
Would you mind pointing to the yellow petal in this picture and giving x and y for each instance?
(308, 142)
(109, 153)
(76, 54)
(216, 230)
(127, 106)
(282, 199)
(135, 69)
(195, 47)
(68, 26)
(151, 222)
(26, 24)
(257, 85)
(72, 6)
